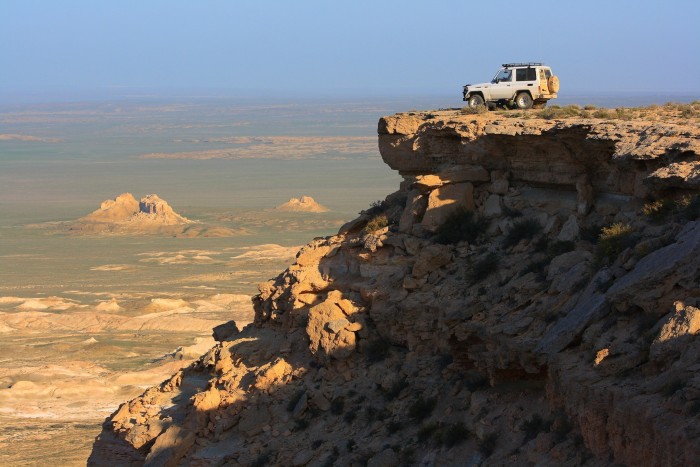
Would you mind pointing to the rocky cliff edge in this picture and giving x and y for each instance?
(529, 296)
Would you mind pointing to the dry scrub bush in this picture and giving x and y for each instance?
(376, 223)
(521, 230)
(479, 109)
(613, 240)
(461, 225)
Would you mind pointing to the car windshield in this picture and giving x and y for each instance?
(503, 75)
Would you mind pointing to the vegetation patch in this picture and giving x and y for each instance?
(603, 113)
(556, 111)
(461, 225)
(484, 267)
(377, 222)
(479, 109)
(686, 208)
(524, 229)
(613, 240)
(659, 211)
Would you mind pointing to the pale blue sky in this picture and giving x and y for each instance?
(332, 48)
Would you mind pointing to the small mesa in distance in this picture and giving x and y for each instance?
(302, 204)
(125, 209)
(124, 215)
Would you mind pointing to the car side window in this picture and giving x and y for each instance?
(525, 74)
(548, 73)
(504, 75)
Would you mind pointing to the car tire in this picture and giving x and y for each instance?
(475, 100)
(523, 100)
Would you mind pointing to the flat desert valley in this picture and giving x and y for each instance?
(92, 313)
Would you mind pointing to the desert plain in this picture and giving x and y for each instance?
(93, 309)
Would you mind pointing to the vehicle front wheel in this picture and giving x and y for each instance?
(475, 100)
(523, 100)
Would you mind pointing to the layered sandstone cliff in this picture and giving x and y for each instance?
(529, 295)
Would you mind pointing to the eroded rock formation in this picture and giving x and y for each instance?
(302, 204)
(475, 317)
(149, 216)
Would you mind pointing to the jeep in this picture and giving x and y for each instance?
(520, 85)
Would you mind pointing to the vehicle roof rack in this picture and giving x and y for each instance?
(511, 65)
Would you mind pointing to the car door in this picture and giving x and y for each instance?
(526, 80)
(502, 87)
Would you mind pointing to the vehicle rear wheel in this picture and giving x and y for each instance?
(523, 100)
(475, 100)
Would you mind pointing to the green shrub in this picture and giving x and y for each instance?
(422, 408)
(376, 223)
(461, 225)
(613, 240)
(589, 107)
(521, 230)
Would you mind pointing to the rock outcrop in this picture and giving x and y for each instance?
(302, 204)
(529, 296)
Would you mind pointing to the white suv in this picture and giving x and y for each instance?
(521, 85)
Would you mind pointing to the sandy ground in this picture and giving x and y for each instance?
(69, 359)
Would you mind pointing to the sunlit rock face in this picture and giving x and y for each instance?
(528, 295)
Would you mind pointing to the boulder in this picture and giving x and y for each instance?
(328, 337)
(569, 231)
(444, 201)
(680, 326)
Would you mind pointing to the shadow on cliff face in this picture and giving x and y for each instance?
(381, 346)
